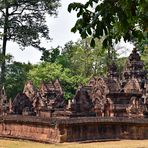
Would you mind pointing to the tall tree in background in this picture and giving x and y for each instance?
(47, 71)
(83, 59)
(79, 57)
(15, 78)
(50, 55)
(23, 21)
(113, 19)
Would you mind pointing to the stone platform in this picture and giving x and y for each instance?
(57, 130)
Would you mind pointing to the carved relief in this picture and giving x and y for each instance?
(132, 86)
(136, 107)
(108, 108)
(98, 96)
(22, 103)
(82, 101)
(52, 94)
(30, 90)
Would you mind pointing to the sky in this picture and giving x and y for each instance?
(59, 32)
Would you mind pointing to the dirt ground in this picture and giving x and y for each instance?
(9, 143)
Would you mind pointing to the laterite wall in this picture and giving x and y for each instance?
(29, 128)
(72, 129)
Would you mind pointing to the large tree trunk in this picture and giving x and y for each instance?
(3, 66)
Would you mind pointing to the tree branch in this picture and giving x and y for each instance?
(2, 12)
(13, 11)
(19, 13)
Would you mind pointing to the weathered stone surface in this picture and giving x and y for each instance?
(136, 107)
(52, 94)
(42, 102)
(22, 104)
(82, 102)
(30, 90)
(73, 129)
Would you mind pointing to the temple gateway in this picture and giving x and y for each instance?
(111, 107)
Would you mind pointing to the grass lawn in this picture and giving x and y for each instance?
(7, 143)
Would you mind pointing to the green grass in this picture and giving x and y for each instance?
(7, 143)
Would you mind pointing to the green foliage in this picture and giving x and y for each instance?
(143, 44)
(16, 75)
(113, 19)
(8, 58)
(82, 59)
(24, 21)
(74, 66)
(51, 71)
(50, 55)
(1, 58)
(121, 63)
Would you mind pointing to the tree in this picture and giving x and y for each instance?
(23, 21)
(3, 58)
(50, 55)
(113, 19)
(46, 71)
(16, 75)
(82, 59)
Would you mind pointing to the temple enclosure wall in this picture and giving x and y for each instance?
(72, 129)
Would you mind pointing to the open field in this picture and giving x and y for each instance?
(7, 143)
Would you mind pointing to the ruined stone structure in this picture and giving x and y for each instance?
(22, 105)
(43, 102)
(118, 95)
(52, 94)
(81, 104)
(112, 107)
(72, 129)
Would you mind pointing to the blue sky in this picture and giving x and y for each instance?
(59, 32)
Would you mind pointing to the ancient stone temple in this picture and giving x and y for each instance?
(52, 94)
(111, 107)
(43, 102)
(52, 97)
(117, 95)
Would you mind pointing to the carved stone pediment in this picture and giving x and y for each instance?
(135, 108)
(113, 85)
(82, 102)
(132, 86)
(52, 94)
(22, 103)
(30, 90)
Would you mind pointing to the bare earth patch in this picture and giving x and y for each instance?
(7, 143)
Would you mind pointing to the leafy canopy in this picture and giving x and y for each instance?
(50, 55)
(113, 19)
(24, 21)
(93, 60)
(16, 75)
(51, 71)
(64, 65)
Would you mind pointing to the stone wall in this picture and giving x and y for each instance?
(93, 128)
(30, 128)
(72, 129)
(105, 131)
